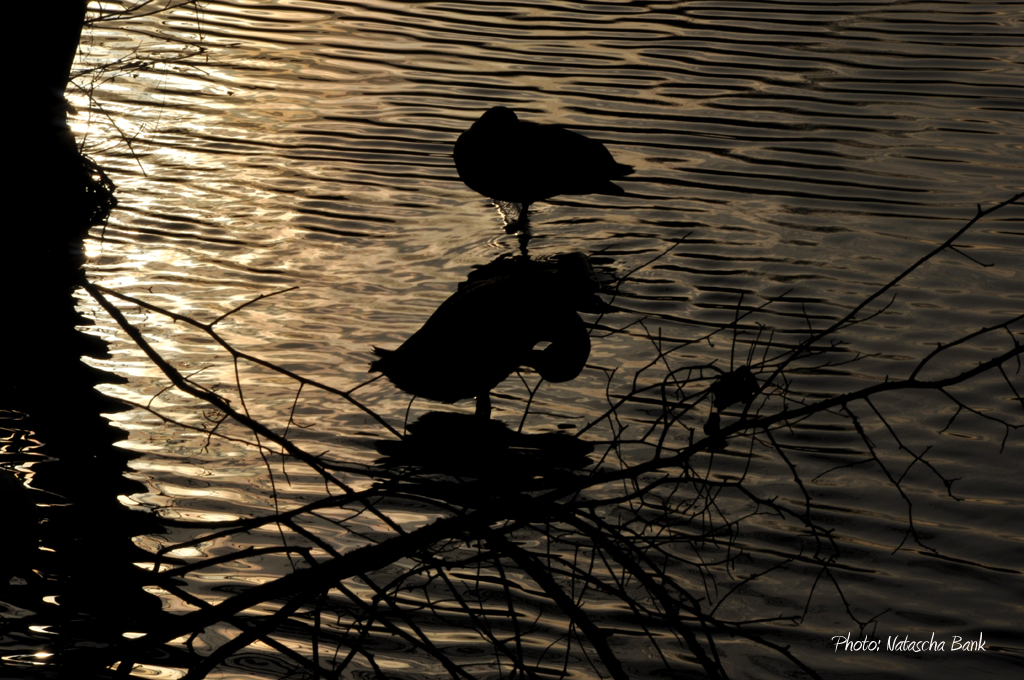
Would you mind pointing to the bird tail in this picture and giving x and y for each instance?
(375, 367)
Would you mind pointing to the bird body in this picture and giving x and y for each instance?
(506, 159)
(488, 329)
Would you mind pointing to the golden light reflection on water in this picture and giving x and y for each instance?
(324, 161)
(185, 553)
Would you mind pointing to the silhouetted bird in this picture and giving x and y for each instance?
(737, 386)
(732, 388)
(491, 326)
(509, 160)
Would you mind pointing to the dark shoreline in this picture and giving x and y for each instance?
(63, 445)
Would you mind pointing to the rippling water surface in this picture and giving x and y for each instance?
(811, 150)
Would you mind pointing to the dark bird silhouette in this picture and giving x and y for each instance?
(732, 388)
(491, 326)
(509, 160)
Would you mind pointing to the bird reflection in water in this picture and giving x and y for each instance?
(517, 163)
(453, 444)
(491, 327)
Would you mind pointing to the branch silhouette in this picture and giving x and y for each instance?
(647, 537)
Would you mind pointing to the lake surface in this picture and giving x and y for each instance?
(780, 149)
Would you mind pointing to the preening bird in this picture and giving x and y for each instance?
(509, 160)
(491, 326)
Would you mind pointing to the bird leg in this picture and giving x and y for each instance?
(523, 220)
(483, 406)
(521, 223)
(524, 240)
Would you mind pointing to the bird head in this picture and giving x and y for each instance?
(498, 117)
